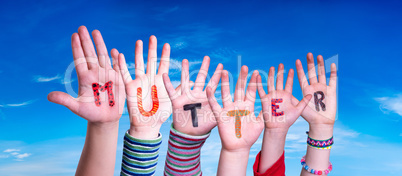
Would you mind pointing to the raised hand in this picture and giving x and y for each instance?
(278, 109)
(237, 125)
(192, 113)
(147, 100)
(235, 135)
(104, 105)
(100, 101)
(321, 109)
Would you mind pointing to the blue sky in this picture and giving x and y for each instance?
(41, 138)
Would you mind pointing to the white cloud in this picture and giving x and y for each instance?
(63, 81)
(179, 45)
(11, 150)
(21, 156)
(391, 104)
(14, 153)
(39, 78)
(16, 104)
(224, 54)
(46, 79)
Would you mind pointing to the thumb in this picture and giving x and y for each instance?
(64, 99)
(216, 108)
(303, 103)
(168, 86)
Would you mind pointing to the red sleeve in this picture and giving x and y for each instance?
(278, 169)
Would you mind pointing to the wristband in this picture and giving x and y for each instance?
(313, 171)
(320, 144)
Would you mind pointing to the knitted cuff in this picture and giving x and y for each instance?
(183, 156)
(140, 156)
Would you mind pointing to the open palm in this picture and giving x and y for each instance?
(233, 135)
(93, 68)
(147, 100)
(288, 111)
(182, 117)
(318, 113)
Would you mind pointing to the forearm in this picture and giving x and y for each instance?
(99, 153)
(272, 148)
(318, 159)
(140, 156)
(184, 153)
(233, 162)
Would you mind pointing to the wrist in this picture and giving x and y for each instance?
(276, 132)
(321, 131)
(104, 126)
(144, 132)
(237, 152)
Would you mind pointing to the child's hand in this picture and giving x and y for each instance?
(192, 113)
(147, 100)
(238, 127)
(277, 108)
(322, 108)
(94, 103)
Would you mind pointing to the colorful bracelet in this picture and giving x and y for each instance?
(320, 144)
(313, 171)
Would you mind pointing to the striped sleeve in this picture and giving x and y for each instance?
(183, 155)
(140, 156)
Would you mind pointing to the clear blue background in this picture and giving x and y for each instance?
(41, 138)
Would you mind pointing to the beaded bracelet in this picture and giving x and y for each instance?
(313, 171)
(320, 144)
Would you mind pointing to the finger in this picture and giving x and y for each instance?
(178, 88)
(300, 74)
(260, 118)
(125, 74)
(303, 103)
(168, 85)
(64, 99)
(216, 108)
(289, 81)
(101, 49)
(260, 115)
(165, 59)
(261, 90)
(271, 80)
(202, 74)
(78, 54)
(184, 76)
(252, 88)
(115, 59)
(333, 77)
(152, 56)
(214, 81)
(88, 48)
(279, 78)
(321, 70)
(225, 89)
(241, 84)
(139, 59)
(312, 77)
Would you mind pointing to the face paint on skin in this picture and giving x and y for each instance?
(109, 87)
(193, 108)
(155, 102)
(318, 101)
(237, 114)
(275, 107)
